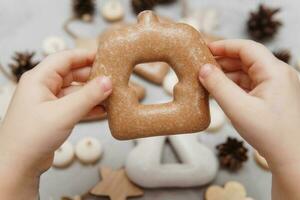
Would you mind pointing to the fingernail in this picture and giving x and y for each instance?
(105, 83)
(205, 70)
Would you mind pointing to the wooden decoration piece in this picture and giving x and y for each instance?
(232, 191)
(115, 185)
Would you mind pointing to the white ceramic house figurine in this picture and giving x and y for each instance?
(198, 165)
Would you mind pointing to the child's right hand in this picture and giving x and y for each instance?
(262, 100)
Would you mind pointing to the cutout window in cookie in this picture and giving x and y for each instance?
(155, 73)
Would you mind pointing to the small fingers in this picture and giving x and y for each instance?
(78, 75)
(51, 71)
(78, 104)
(230, 64)
(223, 90)
(68, 90)
(63, 62)
(233, 47)
(241, 79)
(97, 113)
(254, 56)
(248, 51)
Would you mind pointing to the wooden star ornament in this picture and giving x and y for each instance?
(115, 185)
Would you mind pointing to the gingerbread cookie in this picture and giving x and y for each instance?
(232, 191)
(147, 41)
(154, 72)
(139, 90)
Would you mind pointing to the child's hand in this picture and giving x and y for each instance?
(262, 100)
(41, 116)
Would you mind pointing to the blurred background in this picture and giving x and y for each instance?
(28, 24)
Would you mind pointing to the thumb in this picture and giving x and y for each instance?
(228, 95)
(77, 105)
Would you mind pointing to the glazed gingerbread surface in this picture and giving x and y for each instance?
(149, 40)
(154, 72)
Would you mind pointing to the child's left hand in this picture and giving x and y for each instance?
(42, 114)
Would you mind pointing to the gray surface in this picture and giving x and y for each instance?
(24, 24)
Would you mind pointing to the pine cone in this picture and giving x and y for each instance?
(84, 9)
(261, 24)
(141, 5)
(284, 55)
(23, 63)
(232, 154)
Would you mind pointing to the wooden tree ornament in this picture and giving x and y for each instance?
(115, 185)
